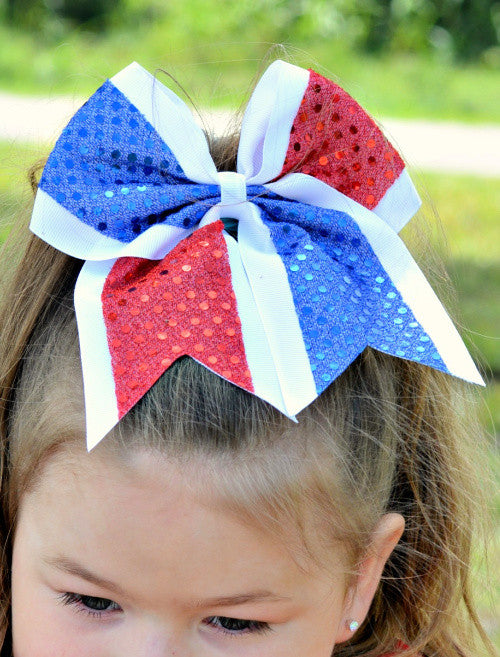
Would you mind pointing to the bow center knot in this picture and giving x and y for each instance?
(233, 188)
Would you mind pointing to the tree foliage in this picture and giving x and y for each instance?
(33, 14)
(457, 29)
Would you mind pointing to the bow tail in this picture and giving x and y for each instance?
(137, 316)
(101, 409)
(423, 308)
(398, 269)
(361, 287)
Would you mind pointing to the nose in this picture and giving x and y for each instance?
(161, 647)
(154, 639)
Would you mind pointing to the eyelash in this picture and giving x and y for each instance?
(78, 601)
(252, 627)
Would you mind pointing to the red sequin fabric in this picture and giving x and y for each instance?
(334, 140)
(156, 311)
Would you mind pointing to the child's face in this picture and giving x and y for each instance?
(113, 560)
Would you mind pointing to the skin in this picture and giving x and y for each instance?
(166, 551)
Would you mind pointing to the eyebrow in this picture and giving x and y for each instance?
(69, 566)
(240, 599)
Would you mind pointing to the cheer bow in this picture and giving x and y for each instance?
(316, 273)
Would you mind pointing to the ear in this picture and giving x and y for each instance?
(358, 599)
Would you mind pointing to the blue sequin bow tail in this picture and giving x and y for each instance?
(316, 273)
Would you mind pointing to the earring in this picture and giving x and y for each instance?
(353, 625)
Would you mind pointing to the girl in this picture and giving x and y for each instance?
(276, 460)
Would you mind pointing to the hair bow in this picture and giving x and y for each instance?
(316, 274)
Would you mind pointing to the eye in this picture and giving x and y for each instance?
(237, 626)
(90, 604)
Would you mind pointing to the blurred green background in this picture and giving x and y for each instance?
(410, 59)
(432, 58)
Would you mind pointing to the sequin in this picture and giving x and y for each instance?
(352, 128)
(107, 149)
(355, 303)
(173, 328)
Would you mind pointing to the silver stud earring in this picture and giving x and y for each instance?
(353, 625)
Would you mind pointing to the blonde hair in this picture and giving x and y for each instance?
(387, 435)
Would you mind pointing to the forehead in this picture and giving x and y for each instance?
(155, 516)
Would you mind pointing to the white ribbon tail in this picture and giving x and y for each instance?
(258, 353)
(101, 409)
(271, 290)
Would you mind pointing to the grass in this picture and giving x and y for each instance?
(218, 73)
(467, 238)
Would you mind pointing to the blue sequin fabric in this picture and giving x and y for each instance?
(111, 169)
(344, 298)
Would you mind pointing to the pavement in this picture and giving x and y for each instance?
(427, 145)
